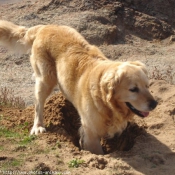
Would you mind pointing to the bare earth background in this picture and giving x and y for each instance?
(9, 1)
(124, 30)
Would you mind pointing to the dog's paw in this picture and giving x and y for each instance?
(37, 129)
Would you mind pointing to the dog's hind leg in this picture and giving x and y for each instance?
(45, 81)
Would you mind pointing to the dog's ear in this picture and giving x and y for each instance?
(141, 65)
(109, 83)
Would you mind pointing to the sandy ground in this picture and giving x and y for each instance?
(9, 1)
(146, 147)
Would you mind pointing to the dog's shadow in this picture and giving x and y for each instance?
(139, 149)
(142, 151)
(146, 154)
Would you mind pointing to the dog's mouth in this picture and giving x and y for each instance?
(137, 112)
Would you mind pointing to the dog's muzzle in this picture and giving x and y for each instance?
(152, 105)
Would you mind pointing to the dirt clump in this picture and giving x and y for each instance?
(60, 113)
(63, 120)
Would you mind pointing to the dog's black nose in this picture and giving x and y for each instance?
(152, 104)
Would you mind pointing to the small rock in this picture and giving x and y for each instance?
(172, 38)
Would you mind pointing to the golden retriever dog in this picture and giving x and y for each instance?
(106, 93)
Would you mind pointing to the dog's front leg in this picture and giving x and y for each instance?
(90, 141)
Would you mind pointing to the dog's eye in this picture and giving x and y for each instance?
(134, 89)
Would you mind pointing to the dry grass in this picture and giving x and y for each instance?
(7, 98)
(167, 76)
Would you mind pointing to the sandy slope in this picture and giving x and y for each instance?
(9, 1)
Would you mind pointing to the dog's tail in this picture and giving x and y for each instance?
(18, 39)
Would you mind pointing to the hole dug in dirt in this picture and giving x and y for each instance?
(3, 158)
(60, 113)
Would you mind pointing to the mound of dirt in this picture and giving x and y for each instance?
(62, 118)
(60, 113)
(148, 20)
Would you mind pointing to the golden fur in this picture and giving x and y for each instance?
(96, 86)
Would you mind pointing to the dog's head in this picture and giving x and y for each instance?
(129, 84)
